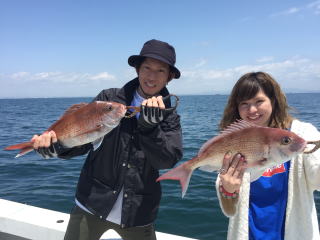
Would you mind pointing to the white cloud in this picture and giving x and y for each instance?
(286, 12)
(295, 73)
(201, 63)
(19, 75)
(60, 77)
(102, 76)
(55, 84)
(291, 11)
(315, 6)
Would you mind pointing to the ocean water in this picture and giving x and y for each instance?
(51, 183)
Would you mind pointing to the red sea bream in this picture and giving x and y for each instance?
(262, 148)
(82, 123)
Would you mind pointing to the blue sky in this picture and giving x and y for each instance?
(77, 48)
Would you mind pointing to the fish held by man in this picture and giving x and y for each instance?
(262, 147)
(82, 123)
(88, 122)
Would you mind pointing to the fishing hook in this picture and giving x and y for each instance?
(316, 147)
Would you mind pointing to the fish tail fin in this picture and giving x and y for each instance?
(24, 147)
(20, 146)
(182, 173)
(24, 151)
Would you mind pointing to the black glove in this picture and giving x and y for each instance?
(49, 152)
(150, 117)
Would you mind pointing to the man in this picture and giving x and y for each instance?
(117, 188)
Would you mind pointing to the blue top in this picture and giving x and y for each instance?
(268, 202)
(136, 101)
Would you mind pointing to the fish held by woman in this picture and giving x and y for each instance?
(82, 123)
(262, 147)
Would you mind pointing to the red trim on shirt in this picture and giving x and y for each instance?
(274, 170)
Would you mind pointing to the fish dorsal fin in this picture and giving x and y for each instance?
(70, 110)
(234, 127)
(74, 107)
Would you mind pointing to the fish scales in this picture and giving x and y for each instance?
(250, 146)
(75, 123)
(82, 123)
(262, 147)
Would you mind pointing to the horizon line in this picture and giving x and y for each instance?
(190, 94)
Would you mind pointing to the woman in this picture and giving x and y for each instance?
(280, 204)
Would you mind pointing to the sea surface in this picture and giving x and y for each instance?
(51, 183)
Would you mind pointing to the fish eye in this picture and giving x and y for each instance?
(109, 107)
(286, 140)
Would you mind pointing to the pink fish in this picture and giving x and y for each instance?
(82, 123)
(262, 148)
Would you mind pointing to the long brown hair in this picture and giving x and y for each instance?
(246, 88)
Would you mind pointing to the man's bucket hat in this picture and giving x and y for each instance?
(158, 50)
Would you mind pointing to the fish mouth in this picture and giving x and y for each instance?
(298, 146)
(122, 111)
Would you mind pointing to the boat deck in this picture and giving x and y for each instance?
(23, 222)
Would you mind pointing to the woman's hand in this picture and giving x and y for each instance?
(232, 172)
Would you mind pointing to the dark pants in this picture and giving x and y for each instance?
(85, 226)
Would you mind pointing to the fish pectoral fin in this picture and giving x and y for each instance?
(97, 128)
(96, 143)
(208, 168)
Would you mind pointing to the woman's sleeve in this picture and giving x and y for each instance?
(311, 162)
(228, 206)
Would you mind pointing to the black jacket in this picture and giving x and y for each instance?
(128, 157)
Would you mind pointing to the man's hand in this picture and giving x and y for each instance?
(151, 112)
(45, 144)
